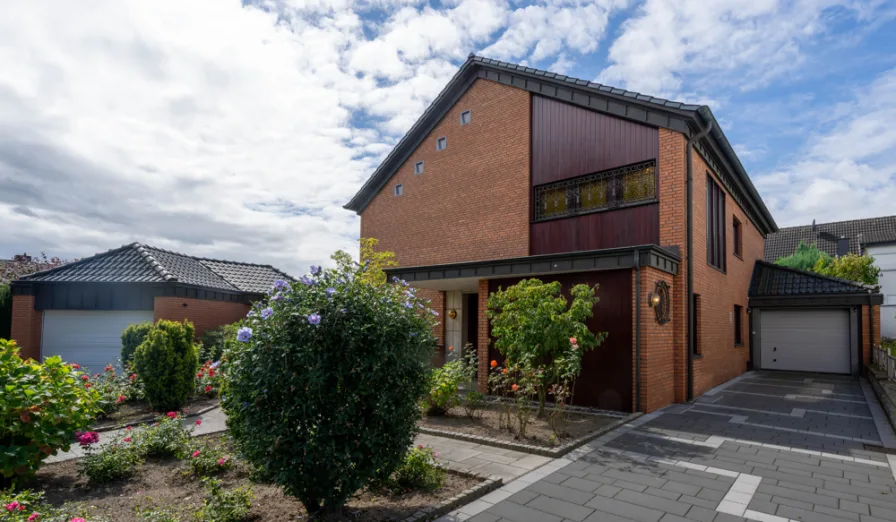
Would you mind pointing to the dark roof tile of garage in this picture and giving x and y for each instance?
(770, 280)
(137, 263)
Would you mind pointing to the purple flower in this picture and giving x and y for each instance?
(279, 284)
(267, 312)
(276, 297)
(395, 279)
(343, 310)
(413, 334)
(331, 291)
(251, 313)
(315, 270)
(408, 304)
(305, 280)
(314, 319)
(244, 334)
(434, 313)
(421, 305)
(215, 365)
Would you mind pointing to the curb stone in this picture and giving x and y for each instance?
(461, 499)
(558, 451)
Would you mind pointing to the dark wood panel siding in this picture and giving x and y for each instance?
(606, 379)
(613, 228)
(569, 141)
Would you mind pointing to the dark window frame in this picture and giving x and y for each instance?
(716, 225)
(440, 141)
(419, 171)
(738, 325)
(569, 191)
(398, 190)
(469, 115)
(738, 237)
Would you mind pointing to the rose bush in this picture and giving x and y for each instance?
(167, 363)
(322, 394)
(41, 406)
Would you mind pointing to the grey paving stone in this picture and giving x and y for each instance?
(560, 492)
(802, 496)
(522, 497)
(855, 507)
(598, 478)
(684, 489)
(557, 477)
(701, 514)
(664, 493)
(582, 484)
(695, 501)
(808, 506)
(809, 516)
(836, 512)
(654, 502)
(607, 491)
(623, 509)
(725, 517)
(884, 513)
(669, 517)
(763, 506)
(711, 494)
(635, 478)
(696, 481)
(484, 517)
(518, 513)
(856, 489)
(560, 508)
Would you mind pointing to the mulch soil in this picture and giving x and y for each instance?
(168, 484)
(136, 411)
(538, 431)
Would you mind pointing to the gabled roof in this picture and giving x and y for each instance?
(825, 235)
(770, 280)
(137, 263)
(686, 118)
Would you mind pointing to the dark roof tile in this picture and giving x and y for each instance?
(825, 235)
(770, 280)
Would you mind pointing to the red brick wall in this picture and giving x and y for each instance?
(870, 336)
(484, 339)
(719, 292)
(472, 201)
(657, 345)
(204, 314)
(26, 326)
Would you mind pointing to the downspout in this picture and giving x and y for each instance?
(690, 252)
(637, 331)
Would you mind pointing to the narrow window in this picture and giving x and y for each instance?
(715, 224)
(466, 117)
(441, 143)
(399, 190)
(738, 239)
(418, 167)
(738, 335)
(695, 324)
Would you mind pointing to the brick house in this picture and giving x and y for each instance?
(515, 172)
(79, 310)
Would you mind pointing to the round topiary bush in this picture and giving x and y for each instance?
(322, 392)
(166, 363)
(41, 407)
(132, 337)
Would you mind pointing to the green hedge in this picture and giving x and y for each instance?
(166, 363)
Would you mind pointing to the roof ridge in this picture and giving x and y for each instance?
(815, 274)
(155, 264)
(783, 229)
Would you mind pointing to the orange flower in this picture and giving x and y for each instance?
(514, 387)
(494, 363)
(450, 348)
(504, 371)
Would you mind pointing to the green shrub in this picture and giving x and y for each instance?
(444, 387)
(207, 459)
(473, 403)
(166, 438)
(166, 362)
(419, 472)
(26, 504)
(224, 506)
(322, 396)
(132, 337)
(157, 515)
(41, 406)
(209, 379)
(215, 342)
(889, 345)
(110, 462)
(113, 388)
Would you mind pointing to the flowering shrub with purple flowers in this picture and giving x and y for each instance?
(322, 395)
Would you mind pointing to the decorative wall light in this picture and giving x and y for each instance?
(452, 314)
(659, 301)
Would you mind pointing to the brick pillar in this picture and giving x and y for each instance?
(870, 338)
(26, 326)
(483, 341)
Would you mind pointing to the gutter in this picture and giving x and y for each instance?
(637, 332)
(689, 152)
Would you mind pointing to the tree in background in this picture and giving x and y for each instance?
(805, 257)
(16, 268)
(852, 267)
(377, 261)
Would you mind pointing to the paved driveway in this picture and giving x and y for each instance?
(769, 447)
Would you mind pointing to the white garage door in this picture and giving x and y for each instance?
(805, 340)
(89, 338)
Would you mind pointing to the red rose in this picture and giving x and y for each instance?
(208, 389)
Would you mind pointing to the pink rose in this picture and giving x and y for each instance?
(33, 517)
(198, 422)
(222, 461)
(195, 454)
(171, 414)
(77, 519)
(127, 439)
(12, 506)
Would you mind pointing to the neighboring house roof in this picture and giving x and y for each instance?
(825, 235)
(137, 263)
(770, 280)
(686, 118)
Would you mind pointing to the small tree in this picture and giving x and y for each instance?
(375, 261)
(533, 325)
(322, 397)
(851, 267)
(132, 337)
(805, 257)
(166, 363)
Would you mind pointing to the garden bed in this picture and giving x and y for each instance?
(134, 412)
(538, 432)
(167, 484)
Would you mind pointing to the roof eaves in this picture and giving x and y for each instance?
(860, 286)
(78, 262)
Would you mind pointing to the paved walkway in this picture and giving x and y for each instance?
(771, 447)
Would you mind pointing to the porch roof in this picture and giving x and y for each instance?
(776, 285)
(464, 276)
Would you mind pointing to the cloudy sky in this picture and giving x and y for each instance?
(238, 130)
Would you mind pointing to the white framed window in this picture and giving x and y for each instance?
(398, 190)
(442, 143)
(466, 117)
(418, 167)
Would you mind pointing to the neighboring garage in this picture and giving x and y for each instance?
(802, 321)
(78, 311)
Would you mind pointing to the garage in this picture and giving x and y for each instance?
(807, 322)
(89, 338)
(806, 340)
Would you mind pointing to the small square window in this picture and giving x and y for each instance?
(466, 117)
(418, 167)
(442, 143)
(738, 239)
(399, 190)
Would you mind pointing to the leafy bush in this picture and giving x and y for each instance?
(420, 471)
(207, 459)
(473, 402)
(224, 506)
(29, 506)
(166, 362)
(444, 387)
(157, 515)
(110, 462)
(805, 257)
(166, 438)
(215, 342)
(132, 337)
(889, 344)
(851, 267)
(41, 405)
(322, 396)
(209, 379)
(113, 388)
